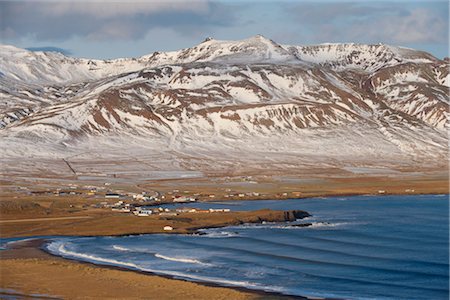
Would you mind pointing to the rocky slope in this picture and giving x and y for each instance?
(222, 103)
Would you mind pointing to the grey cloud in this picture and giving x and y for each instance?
(419, 26)
(397, 23)
(51, 49)
(327, 13)
(108, 20)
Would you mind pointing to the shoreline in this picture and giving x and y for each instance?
(204, 283)
(319, 196)
(39, 244)
(30, 253)
(101, 222)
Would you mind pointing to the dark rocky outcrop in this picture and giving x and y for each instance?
(302, 225)
(293, 215)
(267, 215)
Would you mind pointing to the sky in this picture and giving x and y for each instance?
(110, 29)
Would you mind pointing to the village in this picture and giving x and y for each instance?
(110, 190)
(144, 203)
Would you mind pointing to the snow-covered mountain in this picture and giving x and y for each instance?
(336, 104)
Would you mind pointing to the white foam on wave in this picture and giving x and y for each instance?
(181, 259)
(325, 224)
(291, 226)
(120, 248)
(59, 248)
(225, 282)
(137, 250)
(319, 225)
(220, 234)
(165, 257)
(18, 241)
(6, 245)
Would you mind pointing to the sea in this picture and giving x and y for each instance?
(359, 247)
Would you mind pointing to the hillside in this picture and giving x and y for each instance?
(225, 105)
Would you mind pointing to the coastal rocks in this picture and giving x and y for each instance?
(293, 215)
(302, 225)
(253, 217)
(275, 216)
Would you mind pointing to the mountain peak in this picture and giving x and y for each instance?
(252, 95)
(46, 67)
(208, 39)
(260, 38)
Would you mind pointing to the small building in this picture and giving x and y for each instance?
(168, 228)
(138, 196)
(201, 211)
(112, 195)
(121, 209)
(143, 213)
(219, 210)
(183, 210)
(183, 199)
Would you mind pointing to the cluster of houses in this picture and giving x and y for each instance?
(241, 195)
(175, 196)
(145, 211)
(70, 189)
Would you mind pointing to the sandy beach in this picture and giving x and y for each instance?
(26, 269)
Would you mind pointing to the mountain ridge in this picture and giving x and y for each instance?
(286, 53)
(332, 104)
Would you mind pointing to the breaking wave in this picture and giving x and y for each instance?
(181, 259)
(289, 226)
(58, 248)
(115, 247)
(218, 234)
(326, 224)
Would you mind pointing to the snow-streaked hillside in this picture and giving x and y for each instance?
(53, 67)
(359, 56)
(335, 104)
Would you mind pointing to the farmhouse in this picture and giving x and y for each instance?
(112, 195)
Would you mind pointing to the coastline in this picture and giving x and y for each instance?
(69, 267)
(28, 252)
(33, 252)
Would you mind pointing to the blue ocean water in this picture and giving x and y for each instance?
(378, 247)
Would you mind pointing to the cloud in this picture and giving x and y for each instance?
(109, 9)
(371, 22)
(50, 49)
(418, 26)
(96, 20)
